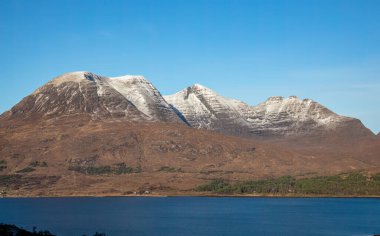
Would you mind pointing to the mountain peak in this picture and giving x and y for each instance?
(76, 76)
(281, 98)
(290, 99)
(198, 88)
(194, 90)
(83, 76)
(275, 99)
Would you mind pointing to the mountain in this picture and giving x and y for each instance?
(85, 134)
(129, 97)
(275, 118)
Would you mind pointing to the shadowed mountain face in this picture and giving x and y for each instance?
(87, 134)
(277, 117)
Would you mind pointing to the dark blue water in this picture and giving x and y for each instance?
(181, 216)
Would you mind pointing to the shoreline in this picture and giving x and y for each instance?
(208, 195)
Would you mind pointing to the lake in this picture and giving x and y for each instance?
(181, 216)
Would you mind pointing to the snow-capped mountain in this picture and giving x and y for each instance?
(278, 116)
(136, 99)
(131, 97)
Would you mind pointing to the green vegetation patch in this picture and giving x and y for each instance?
(32, 167)
(349, 184)
(26, 170)
(3, 165)
(118, 169)
(376, 177)
(38, 164)
(122, 168)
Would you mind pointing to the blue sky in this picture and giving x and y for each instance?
(328, 51)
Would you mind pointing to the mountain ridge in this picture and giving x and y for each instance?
(277, 116)
(134, 97)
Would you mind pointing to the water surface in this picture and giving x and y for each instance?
(181, 216)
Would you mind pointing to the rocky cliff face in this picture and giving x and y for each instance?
(276, 117)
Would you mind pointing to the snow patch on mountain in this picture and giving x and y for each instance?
(77, 76)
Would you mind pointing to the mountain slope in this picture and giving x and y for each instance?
(75, 155)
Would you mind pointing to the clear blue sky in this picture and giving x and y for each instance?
(325, 50)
